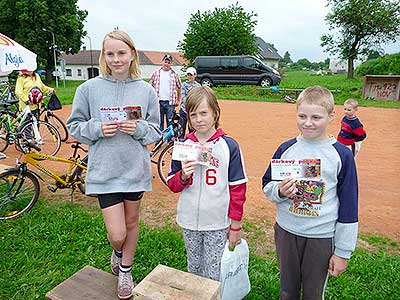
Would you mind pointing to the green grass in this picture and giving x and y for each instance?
(53, 241)
(349, 88)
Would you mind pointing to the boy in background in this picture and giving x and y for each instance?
(317, 217)
(352, 132)
(186, 87)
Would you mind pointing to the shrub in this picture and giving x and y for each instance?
(385, 65)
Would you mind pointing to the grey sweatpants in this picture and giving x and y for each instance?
(204, 250)
(303, 265)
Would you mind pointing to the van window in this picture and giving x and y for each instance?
(209, 62)
(229, 63)
(250, 62)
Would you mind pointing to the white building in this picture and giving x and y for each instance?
(78, 66)
(267, 53)
(340, 65)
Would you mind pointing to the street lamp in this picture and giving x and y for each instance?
(91, 75)
(54, 54)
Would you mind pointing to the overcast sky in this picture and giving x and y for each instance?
(291, 25)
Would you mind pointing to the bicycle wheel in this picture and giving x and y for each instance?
(18, 193)
(50, 141)
(4, 129)
(80, 174)
(164, 162)
(58, 124)
(4, 132)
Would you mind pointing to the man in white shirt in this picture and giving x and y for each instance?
(167, 85)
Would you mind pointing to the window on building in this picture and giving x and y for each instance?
(68, 72)
(79, 72)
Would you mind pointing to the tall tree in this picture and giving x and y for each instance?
(286, 58)
(359, 26)
(32, 23)
(222, 31)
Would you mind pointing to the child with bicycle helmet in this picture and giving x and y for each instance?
(212, 195)
(29, 87)
(119, 168)
(186, 87)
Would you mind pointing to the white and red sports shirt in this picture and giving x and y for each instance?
(215, 194)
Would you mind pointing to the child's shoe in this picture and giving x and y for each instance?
(125, 285)
(115, 261)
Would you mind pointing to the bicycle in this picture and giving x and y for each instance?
(165, 147)
(48, 116)
(15, 126)
(7, 93)
(20, 188)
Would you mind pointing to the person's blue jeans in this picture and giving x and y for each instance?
(166, 110)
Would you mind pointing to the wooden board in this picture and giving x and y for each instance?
(165, 283)
(88, 283)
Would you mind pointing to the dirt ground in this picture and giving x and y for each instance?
(261, 127)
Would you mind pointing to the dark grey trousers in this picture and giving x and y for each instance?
(303, 265)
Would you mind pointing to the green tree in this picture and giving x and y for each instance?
(222, 31)
(286, 58)
(24, 21)
(373, 54)
(361, 25)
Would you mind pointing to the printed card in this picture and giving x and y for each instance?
(295, 168)
(119, 113)
(133, 112)
(201, 154)
(112, 114)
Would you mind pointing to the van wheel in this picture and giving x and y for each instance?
(206, 82)
(265, 82)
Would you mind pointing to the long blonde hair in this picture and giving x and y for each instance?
(134, 70)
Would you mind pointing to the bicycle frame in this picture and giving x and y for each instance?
(21, 118)
(6, 91)
(34, 159)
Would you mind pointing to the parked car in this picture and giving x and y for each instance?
(244, 69)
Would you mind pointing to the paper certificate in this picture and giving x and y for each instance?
(295, 168)
(119, 113)
(183, 151)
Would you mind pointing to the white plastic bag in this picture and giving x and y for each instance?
(235, 283)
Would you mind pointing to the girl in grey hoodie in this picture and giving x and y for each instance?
(119, 170)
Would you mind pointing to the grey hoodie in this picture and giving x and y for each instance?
(120, 163)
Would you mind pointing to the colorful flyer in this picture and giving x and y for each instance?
(201, 154)
(295, 168)
(133, 112)
(112, 114)
(119, 113)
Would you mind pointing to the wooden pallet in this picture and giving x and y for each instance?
(87, 284)
(163, 283)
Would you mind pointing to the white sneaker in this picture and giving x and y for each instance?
(115, 261)
(125, 285)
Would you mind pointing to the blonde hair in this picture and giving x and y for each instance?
(352, 102)
(194, 98)
(317, 95)
(134, 70)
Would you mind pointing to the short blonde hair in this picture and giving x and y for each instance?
(352, 102)
(194, 98)
(134, 70)
(317, 95)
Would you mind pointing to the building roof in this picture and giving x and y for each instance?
(83, 57)
(267, 51)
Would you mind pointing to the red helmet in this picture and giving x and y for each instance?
(35, 95)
